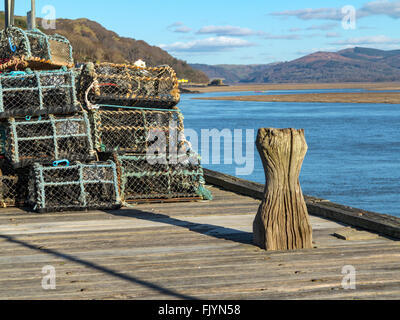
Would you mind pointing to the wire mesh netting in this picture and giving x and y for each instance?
(36, 93)
(157, 177)
(121, 84)
(35, 47)
(48, 138)
(136, 131)
(13, 185)
(75, 187)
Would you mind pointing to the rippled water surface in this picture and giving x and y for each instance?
(353, 149)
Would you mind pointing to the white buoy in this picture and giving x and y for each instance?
(140, 63)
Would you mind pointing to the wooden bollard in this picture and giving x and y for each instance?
(282, 221)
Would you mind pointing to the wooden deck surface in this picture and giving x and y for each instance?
(198, 250)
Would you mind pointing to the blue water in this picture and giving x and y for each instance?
(353, 149)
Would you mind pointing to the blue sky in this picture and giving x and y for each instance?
(239, 32)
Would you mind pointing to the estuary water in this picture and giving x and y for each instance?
(353, 149)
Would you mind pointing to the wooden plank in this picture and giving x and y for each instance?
(224, 267)
(376, 222)
(177, 240)
(181, 251)
(215, 284)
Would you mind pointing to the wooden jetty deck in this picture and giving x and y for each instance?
(193, 250)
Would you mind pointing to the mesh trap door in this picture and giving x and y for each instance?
(38, 93)
(13, 186)
(35, 48)
(145, 177)
(60, 52)
(48, 138)
(77, 186)
(127, 85)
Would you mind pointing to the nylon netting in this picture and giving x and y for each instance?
(157, 177)
(127, 85)
(48, 138)
(75, 187)
(39, 92)
(35, 47)
(135, 131)
(13, 185)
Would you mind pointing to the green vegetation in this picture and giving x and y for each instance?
(216, 82)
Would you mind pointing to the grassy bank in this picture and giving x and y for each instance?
(297, 86)
(374, 93)
(367, 97)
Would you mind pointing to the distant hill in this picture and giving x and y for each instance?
(231, 73)
(92, 42)
(349, 65)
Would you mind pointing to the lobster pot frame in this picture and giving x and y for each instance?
(76, 187)
(48, 138)
(37, 93)
(127, 85)
(161, 177)
(13, 185)
(135, 131)
(36, 48)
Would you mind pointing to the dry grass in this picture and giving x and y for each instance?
(339, 97)
(368, 97)
(309, 86)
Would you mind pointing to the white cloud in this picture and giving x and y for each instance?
(373, 8)
(380, 39)
(241, 32)
(179, 27)
(382, 7)
(207, 45)
(183, 29)
(175, 24)
(324, 27)
(228, 31)
(282, 37)
(332, 35)
(308, 14)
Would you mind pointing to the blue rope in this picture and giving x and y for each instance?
(12, 47)
(57, 163)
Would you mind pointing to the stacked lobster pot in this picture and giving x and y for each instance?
(136, 124)
(48, 160)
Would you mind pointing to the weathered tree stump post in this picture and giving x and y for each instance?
(282, 221)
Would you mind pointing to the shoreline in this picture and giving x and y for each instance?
(378, 86)
(357, 97)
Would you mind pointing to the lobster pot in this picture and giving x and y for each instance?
(136, 131)
(75, 187)
(38, 93)
(158, 177)
(35, 48)
(48, 138)
(126, 85)
(13, 185)
(3, 139)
